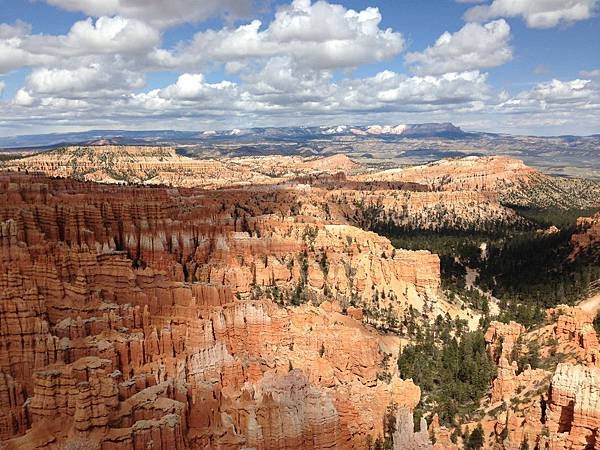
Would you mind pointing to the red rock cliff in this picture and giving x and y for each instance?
(137, 317)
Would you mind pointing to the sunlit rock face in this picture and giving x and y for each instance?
(149, 165)
(549, 407)
(239, 306)
(587, 239)
(574, 406)
(162, 318)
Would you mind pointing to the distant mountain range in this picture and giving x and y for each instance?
(424, 130)
(387, 146)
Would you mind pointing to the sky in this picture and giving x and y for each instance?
(511, 66)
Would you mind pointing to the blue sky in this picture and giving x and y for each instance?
(515, 66)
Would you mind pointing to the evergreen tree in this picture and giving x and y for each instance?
(475, 440)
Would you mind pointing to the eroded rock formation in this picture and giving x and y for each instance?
(573, 416)
(167, 319)
(556, 409)
(587, 240)
(180, 317)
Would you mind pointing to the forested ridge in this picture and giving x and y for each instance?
(526, 268)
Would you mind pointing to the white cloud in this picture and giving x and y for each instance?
(281, 90)
(94, 80)
(319, 35)
(158, 12)
(590, 73)
(115, 37)
(560, 92)
(287, 71)
(283, 82)
(23, 98)
(448, 89)
(107, 57)
(194, 87)
(536, 13)
(472, 47)
(2, 87)
(19, 29)
(190, 91)
(106, 35)
(574, 96)
(12, 56)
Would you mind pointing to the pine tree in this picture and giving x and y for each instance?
(475, 440)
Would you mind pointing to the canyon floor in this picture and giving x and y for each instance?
(150, 300)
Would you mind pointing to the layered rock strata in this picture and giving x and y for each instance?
(172, 318)
(547, 408)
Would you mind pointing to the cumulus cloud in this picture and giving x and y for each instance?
(291, 93)
(590, 73)
(106, 35)
(473, 47)
(158, 12)
(287, 91)
(12, 55)
(291, 69)
(538, 13)
(19, 29)
(556, 95)
(557, 91)
(193, 87)
(190, 96)
(112, 36)
(100, 62)
(283, 82)
(23, 98)
(448, 89)
(319, 35)
(94, 80)
(2, 87)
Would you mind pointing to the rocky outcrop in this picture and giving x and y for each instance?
(441, 436)
(136, 317)
(287, 412)
(405, 437)
(501, 337)
(575, 332)
(132, 317)
(542, 407)
(13, 417)
(469, 173)
(587, 240)
(455, 193)
(82, 390)
(573, 415)
(164, 166)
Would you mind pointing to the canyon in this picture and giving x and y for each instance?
(543, 408)
(152, 300)
(134, 315)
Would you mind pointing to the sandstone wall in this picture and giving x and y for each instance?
(141, 317)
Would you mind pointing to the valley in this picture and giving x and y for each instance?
(154, 299)
(300, 225)
(374, 145)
